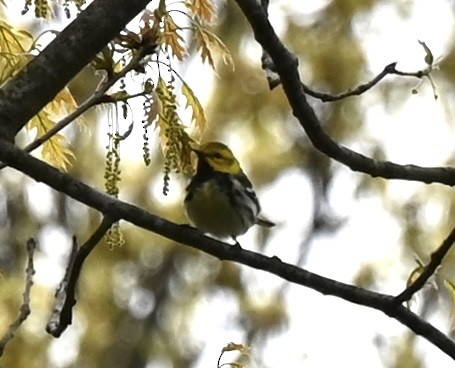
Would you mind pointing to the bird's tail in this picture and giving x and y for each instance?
(264, 222)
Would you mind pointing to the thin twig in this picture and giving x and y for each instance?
(65, 295)
(96, 98)
(90, 102)
(388, 70)
(429, 269)
(24, 310)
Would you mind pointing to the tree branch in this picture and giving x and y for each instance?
(24, 310)
(429, 270)
(40, 81)
(65, 296)
(286, 66)
(362, 88)
(110, 206)
(96, 98)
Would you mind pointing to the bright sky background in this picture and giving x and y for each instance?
(323, 331)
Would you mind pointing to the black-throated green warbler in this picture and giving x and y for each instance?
(220, 199)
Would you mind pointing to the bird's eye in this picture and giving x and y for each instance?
(217, 155)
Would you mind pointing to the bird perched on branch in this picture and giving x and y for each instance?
(220, 199)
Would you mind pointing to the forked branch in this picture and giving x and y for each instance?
(65, 296)
(286, 65)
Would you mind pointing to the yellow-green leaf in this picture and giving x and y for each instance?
(175, 142)
(55, 149)
(450, 286)
(415, 273)
(244, 349)
(14, 44)
(57, 152)
(172, 38)
(198, 116)
(204, 9)
(208, 44)
(14, 40)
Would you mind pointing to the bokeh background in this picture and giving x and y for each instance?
(157, 304)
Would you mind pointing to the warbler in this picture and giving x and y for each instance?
(220, 199)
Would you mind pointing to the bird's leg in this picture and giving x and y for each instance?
(187, 226)
(236, 244)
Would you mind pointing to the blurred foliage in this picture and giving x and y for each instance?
(142, 303)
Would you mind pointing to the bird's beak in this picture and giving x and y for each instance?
(198, 153)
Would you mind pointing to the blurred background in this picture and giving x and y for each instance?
(157, 304)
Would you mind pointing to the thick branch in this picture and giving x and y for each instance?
(26, 94)
(286, 66)
(109, 206)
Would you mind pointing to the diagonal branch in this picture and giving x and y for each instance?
(429, 270)
(65, 297)
(109, 206)
(96, 98)
(27, 93)
(286, 66)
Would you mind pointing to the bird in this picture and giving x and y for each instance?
(220, 199)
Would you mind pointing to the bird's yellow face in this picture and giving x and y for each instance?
(219, 157)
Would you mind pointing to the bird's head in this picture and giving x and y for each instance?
(219, 157)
